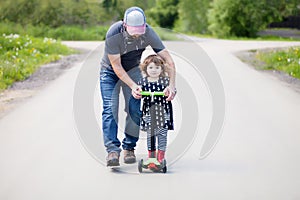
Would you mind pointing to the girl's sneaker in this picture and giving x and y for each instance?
(151, 154)
(160, 156)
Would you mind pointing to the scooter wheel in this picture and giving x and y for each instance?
(164, 169)
(140, 166)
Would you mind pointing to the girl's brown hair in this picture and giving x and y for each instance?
(157, 60)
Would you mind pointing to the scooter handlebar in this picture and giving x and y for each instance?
(147, 93)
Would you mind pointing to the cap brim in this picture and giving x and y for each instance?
(136, 30)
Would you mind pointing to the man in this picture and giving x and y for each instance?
(125, 42)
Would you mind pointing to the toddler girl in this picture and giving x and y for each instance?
(155, 79)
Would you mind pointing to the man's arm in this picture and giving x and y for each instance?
(171, 90)
(115, 61)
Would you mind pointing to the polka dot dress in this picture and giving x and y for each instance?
(162, 109)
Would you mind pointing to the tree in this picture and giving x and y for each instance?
(244, 18)
(192, 16)
(51, 13)
(165, 13)
(114, 9)
(20, 11)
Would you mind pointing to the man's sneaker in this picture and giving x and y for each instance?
(112, 159)
(129, 156)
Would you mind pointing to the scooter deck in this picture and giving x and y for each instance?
(153, 165)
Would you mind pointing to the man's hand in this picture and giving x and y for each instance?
(136, 91)
(115, 61)
(170, 91)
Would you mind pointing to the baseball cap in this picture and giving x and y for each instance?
(135, 21)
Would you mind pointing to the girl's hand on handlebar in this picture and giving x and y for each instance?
(170, 93)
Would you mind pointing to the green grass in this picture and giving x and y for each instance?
(75, 33)
(276, 38)
(166, 34)
(20, 56)
(95, 33)
(263, 38)
(287, 60)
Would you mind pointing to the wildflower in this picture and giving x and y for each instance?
(45, 40)
(11, 36)
(49, 40)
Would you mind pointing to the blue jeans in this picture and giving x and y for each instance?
(110, 86)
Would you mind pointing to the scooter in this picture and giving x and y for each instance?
(152, 163)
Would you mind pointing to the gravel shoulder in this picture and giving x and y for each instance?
(249, 57)
(23, 90)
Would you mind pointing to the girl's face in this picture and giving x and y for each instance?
(153, 70)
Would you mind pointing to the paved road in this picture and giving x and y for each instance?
(258, 156)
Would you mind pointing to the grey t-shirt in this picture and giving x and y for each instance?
(118, 41)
